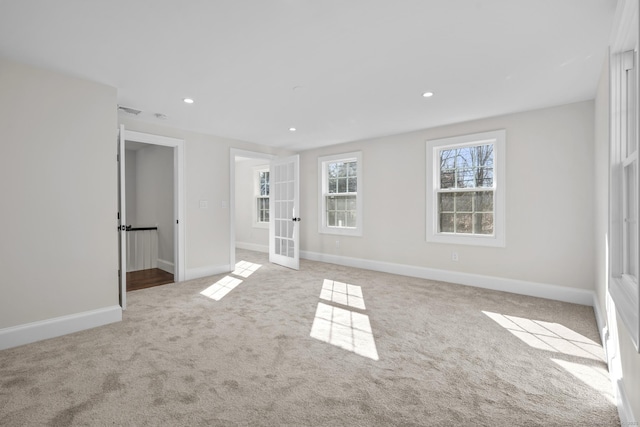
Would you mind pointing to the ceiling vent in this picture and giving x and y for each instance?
(129, 110)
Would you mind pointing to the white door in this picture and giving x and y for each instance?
(122, 219)
(284, 211)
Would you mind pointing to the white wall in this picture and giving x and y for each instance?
(549, 200)
(154, 196)
(247, 234)
(207, 178)
(58, 250)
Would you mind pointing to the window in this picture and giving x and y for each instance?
(340, 190)
(466, 189)
(623, 173)
(261, 213)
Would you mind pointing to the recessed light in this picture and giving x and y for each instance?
(292, 129)
(188, 100)
(427, 94)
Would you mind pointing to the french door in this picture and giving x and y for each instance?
(284, 200)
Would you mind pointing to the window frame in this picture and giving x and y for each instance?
(256, 195)
(433, 147)
(323, 186)
(624, 288)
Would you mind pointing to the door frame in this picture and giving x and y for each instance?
(178, 194)
(233, 153)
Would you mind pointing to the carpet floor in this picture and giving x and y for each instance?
(323, 346)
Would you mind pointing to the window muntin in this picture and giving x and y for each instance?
(340, 194)
(262, 197)
(466, 189)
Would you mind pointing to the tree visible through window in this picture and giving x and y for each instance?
(262, 197)
(465, 202)
(465, 196)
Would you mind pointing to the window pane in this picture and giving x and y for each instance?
(446, 223)
(466, 178)
(342, 169)
(352, 185)
(447, 178)
(331, 203)
(340, 203)
(484, 177)
(464, 202)
(351, 203)
(483, 223)
(331, 219)
(351, 219)
(342, 185)
(465, 157)
(446, 202)
(341, 218)
(333, 185)
(352, 169)
(484, 201)
(464, 223)
(332, 169)
(447, 159)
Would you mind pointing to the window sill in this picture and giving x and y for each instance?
(264, 225)
(341, 231)
(624, 294)
(473, 240)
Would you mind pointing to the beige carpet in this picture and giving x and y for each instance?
(446, 355)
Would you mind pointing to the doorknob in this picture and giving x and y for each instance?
(296, 219)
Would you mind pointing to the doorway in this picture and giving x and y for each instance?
(247, 225)
(151, 226)
(149, 193)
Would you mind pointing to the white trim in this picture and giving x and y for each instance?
(609, 338)
(322, 193)
(233, 152)
(624, 37)
(521, 287)
(167, 266)
(58, 326)
(498, 139)
(253, 247)
(601, 322)
(209, 270)
(624, 408)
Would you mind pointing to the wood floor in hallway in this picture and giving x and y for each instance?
(147, 279)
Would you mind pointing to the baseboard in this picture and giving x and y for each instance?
(613, 362)
(253, 247)
(601, 322)
(167, 266)
(540, 290)
(51, 328)
(210, 270)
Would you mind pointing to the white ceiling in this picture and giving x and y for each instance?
(337, 70)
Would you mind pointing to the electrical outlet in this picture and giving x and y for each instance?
(454, 256)
(337, 244)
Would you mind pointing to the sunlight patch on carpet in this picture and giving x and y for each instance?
(345, 329)
(594, 376)
(342, 293)
(549, 336)
(221, 288)
(245, 268)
